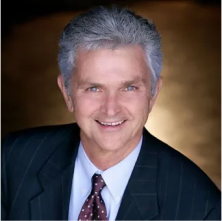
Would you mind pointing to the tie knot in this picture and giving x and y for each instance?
(97, 183)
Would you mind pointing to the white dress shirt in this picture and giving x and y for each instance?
(116, 179)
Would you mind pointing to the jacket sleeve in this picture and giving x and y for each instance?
(4, 187)
(215, 212)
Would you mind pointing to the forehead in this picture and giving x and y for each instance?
(123, 62)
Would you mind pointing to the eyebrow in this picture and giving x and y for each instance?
(88, 83)
(136, 80)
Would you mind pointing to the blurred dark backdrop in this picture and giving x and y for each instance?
(14, 12)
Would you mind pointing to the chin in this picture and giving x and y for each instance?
(110, 144)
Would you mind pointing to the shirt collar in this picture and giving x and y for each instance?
(87, 168)
(115, 181)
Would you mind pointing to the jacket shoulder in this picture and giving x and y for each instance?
(179, 176)
(24, 143)
(36, 132)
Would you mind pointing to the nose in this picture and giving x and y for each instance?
(111, 104)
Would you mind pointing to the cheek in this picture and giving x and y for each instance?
(137, 103)
(85, 105)
(139, 109)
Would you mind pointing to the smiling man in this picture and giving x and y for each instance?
(111, 98)
(107, 166)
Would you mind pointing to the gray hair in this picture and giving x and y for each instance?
(102, 27)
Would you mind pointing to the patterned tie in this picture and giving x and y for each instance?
(94, 207)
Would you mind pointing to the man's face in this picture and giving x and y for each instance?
(111, 96)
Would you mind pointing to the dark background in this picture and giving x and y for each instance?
(14, 12)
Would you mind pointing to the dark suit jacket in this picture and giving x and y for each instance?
(37, 172)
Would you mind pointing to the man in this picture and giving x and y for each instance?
(107, 166)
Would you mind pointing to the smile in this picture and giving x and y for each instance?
(111, 123)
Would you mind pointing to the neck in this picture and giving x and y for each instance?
(104, 159)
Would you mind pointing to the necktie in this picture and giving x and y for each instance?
(94, 207)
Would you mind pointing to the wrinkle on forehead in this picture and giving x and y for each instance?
(135, 51)
(121, 66)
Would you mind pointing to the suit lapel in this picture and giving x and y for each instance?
(140, 201)
(56, 180)
(128, 209)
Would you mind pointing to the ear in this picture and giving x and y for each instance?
(67, 98)
(158, 87)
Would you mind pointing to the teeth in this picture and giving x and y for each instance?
(111, 124)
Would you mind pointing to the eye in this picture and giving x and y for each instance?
(130, 88)
(93, 89)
